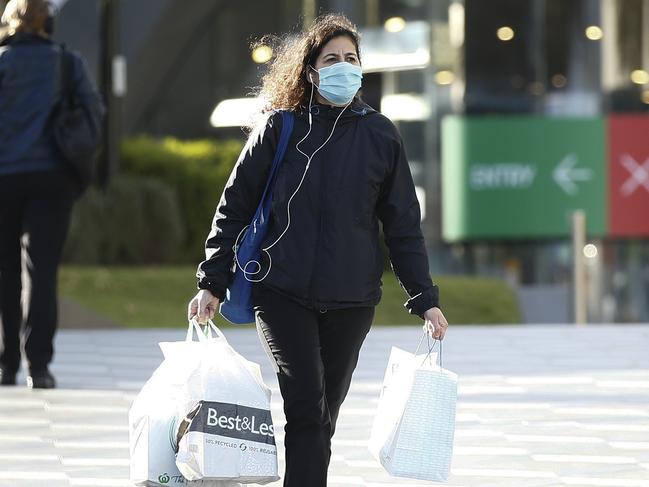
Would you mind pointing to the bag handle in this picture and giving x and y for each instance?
(200, 333)
(209, 332)
(65, 75)
(430, 348)
(285, 135)
(288, 120)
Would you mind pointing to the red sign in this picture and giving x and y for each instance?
(628, 182)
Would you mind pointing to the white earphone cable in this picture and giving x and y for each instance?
(288, 206)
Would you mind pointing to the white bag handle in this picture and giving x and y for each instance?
(430, 349)
(217, 332)
(195, 325)
(208, 333)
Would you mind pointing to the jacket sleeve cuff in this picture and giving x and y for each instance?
(422, 302)
(216, 290)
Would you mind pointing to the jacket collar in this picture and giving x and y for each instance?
(25, 38)
(358, 108)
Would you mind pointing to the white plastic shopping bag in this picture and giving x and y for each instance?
(226, 430)
(413, 430)
(153, 425)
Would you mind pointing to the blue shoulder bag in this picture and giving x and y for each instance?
(237, 306)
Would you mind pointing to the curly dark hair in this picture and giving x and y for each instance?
(285, 85)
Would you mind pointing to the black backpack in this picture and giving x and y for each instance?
(76, 131)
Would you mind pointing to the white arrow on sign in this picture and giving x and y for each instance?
(566, 175)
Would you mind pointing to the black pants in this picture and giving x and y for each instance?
(314, 354)
(34, 217)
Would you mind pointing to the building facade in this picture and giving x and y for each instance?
(514, 113)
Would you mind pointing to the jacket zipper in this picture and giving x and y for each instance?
(317, 244)
(315, 265)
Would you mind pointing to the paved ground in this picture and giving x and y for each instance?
(539, 406)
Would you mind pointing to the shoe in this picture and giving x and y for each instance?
(7, 378)
(41, 379)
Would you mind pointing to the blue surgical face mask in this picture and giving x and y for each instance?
(339, 82)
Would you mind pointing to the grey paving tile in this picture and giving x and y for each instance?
(536, 405)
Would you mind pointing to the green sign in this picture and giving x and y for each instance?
(521, 177)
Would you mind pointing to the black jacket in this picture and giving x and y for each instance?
(30, 88)
(330, 256)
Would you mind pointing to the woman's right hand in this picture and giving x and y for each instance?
(203, 306)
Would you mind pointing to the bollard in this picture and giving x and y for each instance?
(579, 267)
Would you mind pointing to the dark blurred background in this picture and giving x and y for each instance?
(515, 113)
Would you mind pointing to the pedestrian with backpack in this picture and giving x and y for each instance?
(50, 125)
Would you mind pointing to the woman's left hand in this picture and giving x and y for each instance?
(435, 323)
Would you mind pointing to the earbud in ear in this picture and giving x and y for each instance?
(310, 70)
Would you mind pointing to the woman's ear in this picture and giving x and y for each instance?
(312, 75)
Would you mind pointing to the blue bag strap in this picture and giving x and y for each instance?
(287, 129)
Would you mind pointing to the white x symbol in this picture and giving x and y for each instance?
(639, 175)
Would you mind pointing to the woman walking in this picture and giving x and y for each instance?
(344, 170)
(37, 188)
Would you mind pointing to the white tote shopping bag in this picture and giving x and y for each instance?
(153, 425)
(413, 430)
(226, 430)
